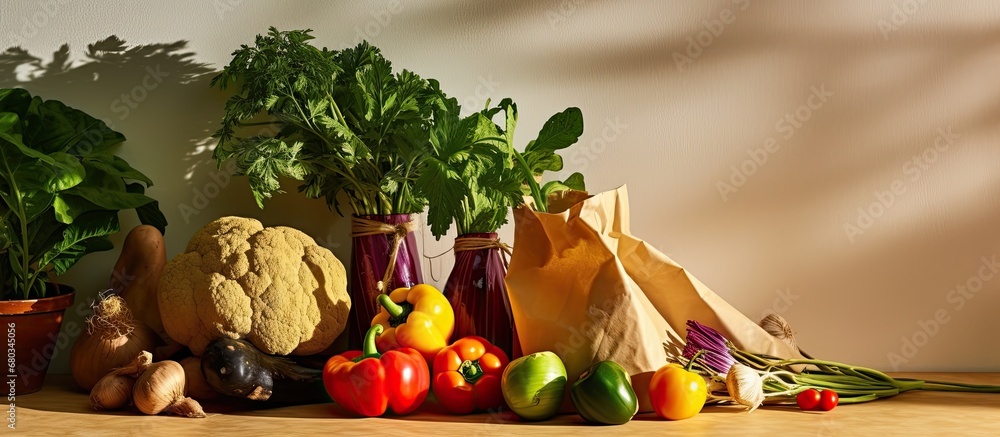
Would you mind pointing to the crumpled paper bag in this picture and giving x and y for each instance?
(582, 286)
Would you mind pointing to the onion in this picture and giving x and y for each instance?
(113, 339)
(161, 389)
(534, 385)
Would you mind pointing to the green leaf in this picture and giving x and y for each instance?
(445, 191)
(51, 126)
(265, 160)
(16, 255)
(552, 187)
(575, 182)
(66, 172)
(115, 166)
(5, 234)
(16, 100)
(87, 234)
(14, 139)
(36, 170)
(10, 123)
(68, 207)
(542, 162)
(110, 199)
(149, 214)
(510, 118)
(46, 233)
(34, 202)
(559, 132)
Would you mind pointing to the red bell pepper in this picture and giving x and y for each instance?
(467, 375)
(367, 383)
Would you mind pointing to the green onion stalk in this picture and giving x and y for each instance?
(783, 379)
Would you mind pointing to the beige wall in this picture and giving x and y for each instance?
(841, 103)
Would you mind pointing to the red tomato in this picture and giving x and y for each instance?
(828, 399)
(809, 399)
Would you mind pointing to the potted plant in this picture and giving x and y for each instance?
(60, 192)
(474, 177)
(350, 129)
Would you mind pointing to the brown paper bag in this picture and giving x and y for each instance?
(582, 286)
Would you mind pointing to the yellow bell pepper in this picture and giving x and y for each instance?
(419, 317)
(677, 392)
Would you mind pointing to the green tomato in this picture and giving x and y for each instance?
(534, 385)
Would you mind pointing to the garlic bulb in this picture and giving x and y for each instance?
(114, 390)
(745, 386)
(112, 339)
(779, 328)
(161, 388)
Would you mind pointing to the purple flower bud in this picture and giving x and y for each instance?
(716, 347)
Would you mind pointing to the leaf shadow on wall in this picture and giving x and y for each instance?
(160, 97)
(156, 94)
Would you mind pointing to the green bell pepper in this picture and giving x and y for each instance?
(604, 394)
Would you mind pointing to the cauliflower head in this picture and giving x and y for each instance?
(273, 286)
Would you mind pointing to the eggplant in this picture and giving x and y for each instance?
(237, 368)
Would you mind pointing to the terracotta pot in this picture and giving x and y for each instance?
(32, 328)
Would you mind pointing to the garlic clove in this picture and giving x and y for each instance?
(745, 386)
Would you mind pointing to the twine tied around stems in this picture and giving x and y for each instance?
(476, 243)
(361, 227)
(463, 244)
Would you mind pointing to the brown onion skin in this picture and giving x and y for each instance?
(92, 357)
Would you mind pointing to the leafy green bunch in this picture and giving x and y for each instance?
(475, 174)
(61, 189)
(342, 122)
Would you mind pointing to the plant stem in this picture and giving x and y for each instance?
(541, 204)
(29, 280)
(395, 310)
(370, 350)
(954, 386)
(693, 359)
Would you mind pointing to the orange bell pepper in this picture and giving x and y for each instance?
(419, 317)
(467, 375)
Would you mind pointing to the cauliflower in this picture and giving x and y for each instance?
(272, 286)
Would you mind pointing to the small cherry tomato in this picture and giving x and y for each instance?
(809, 399)
(827, 400)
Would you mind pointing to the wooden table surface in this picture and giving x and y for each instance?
(62, 409)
